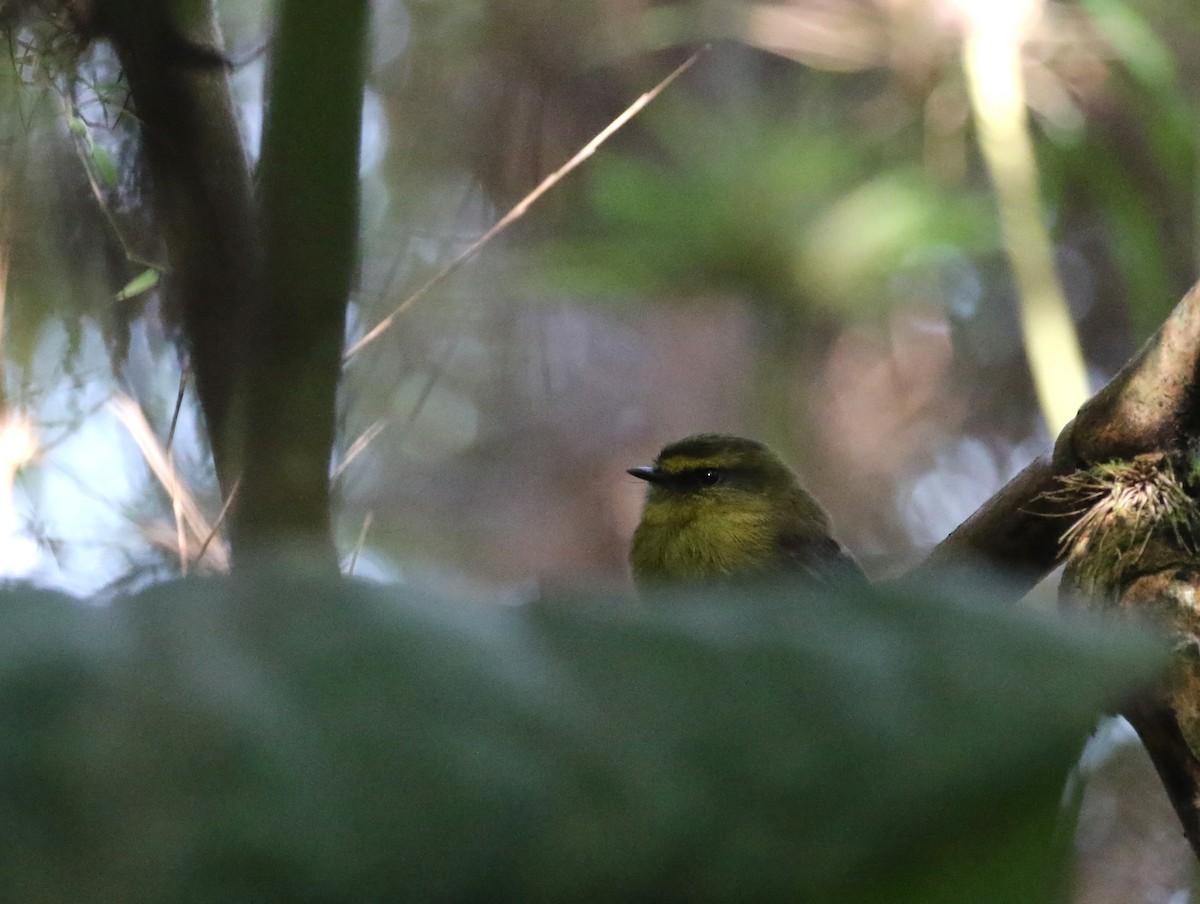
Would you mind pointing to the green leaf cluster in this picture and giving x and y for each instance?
(277, 736)
(792, 215)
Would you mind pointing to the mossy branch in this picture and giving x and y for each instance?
(202, 197)
(262, 283)
(1149, 409)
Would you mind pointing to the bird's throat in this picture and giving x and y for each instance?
(676, 544)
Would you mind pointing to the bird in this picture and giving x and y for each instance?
(725, 508)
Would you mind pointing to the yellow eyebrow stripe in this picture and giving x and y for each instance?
(679, 464)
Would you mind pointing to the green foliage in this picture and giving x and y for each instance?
(1134, 165)
(1134, 40)
(283, 737)
(140, 284)
(803, 215)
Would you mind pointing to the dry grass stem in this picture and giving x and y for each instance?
(177, 514)
(220, 520)
(180, 533)
(183, 376)
(524, 204)
(359, 446)
(129, 413)
(1122, 505)
(362, 541)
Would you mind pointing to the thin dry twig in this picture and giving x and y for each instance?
(524, 204)
(220, 520)
(362, 541)
(130, 414)
(180, 533)
(359, 446)
(177, 514)
(183, 375)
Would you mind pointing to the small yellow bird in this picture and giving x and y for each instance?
(723, 507)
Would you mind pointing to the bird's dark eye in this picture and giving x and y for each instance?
(708, 477)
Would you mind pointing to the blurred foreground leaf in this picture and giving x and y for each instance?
(277, 737)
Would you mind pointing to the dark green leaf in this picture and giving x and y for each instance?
(329, 740)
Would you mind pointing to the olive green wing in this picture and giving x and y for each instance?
(819, 558)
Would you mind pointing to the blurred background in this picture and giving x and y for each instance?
(899, 240)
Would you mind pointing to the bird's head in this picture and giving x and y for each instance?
(723, 479)
(723, 506)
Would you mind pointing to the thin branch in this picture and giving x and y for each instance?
(220, 520)
(176, 510)
(359, 446)
(177, 514)
(1015, 532)
(203, 201)
(130, 414)
(183, 375)
(362, 541)
(1147, 407)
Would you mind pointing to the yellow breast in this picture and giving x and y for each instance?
(701, 541)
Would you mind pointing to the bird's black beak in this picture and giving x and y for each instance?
(648, 474)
